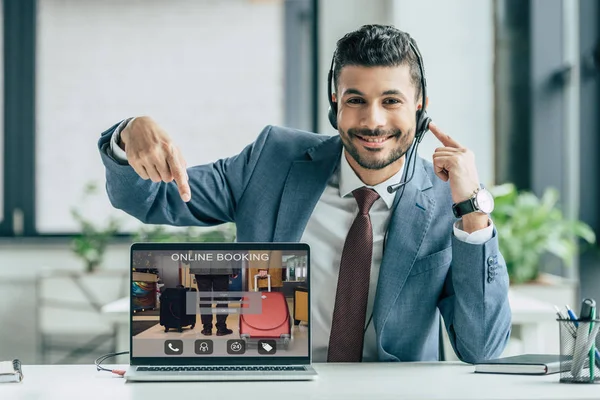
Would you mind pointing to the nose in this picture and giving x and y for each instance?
(374, 117)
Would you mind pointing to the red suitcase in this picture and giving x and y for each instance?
(273, 323)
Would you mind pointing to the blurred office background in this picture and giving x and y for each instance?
(516, 81)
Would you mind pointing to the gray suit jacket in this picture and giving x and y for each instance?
(270, 190)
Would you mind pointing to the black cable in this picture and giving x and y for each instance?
(98, 361)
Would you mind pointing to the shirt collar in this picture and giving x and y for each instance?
(349, 181)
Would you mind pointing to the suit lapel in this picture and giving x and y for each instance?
(411, 218)
(304, 186)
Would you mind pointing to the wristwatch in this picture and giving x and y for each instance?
(481, 201)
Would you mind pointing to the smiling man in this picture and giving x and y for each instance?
(385, 263)
(378, 144)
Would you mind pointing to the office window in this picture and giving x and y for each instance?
(210, 72)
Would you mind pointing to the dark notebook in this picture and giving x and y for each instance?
(527, 364)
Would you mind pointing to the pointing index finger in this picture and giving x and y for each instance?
(442, 137)
(180, 177)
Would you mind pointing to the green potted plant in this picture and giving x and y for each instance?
(529, 226)
(90, 244)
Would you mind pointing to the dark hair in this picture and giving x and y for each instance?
(377, 46)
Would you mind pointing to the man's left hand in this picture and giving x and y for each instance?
(456, 163)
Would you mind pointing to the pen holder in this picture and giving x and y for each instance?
(579, 357)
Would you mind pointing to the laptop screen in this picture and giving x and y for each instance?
(220, 303)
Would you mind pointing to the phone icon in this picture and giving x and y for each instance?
(173, 347)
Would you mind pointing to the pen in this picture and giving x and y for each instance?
(573, 318)
(562, 316)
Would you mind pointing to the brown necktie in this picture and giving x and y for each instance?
(347, 328)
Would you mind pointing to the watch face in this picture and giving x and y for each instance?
(485, 201)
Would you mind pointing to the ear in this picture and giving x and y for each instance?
(419, 106)
(334, 97)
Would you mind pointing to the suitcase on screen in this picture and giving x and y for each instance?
(172, 309)
(273, 323)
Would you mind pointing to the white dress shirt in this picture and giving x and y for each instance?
(325, 233)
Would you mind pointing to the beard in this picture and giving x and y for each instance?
(370, 160)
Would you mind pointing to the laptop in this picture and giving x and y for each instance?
(220, 312)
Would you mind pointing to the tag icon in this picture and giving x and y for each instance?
(267, 347)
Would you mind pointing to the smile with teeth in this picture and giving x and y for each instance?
(374, 139)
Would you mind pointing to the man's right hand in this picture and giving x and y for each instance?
(153, 155)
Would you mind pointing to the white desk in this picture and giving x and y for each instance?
(343, 381)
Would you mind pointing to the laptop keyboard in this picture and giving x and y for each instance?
(277, 368)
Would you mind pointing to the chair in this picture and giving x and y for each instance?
(300, 304)
(70, 327)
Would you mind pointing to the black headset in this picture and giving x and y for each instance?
(422, 119)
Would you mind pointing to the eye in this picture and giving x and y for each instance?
(392, 101)
(355, 100)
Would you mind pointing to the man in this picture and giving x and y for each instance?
(213, 275)
(291, 185)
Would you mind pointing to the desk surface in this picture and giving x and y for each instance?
(342, 381)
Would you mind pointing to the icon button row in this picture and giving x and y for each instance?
(206, 347)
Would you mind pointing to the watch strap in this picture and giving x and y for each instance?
(463, 208)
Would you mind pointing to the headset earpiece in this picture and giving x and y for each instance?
(332, 115)
(423, 121)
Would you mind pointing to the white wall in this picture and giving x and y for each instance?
(210, 72)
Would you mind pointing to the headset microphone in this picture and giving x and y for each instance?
(422, 126)
(392, 188)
